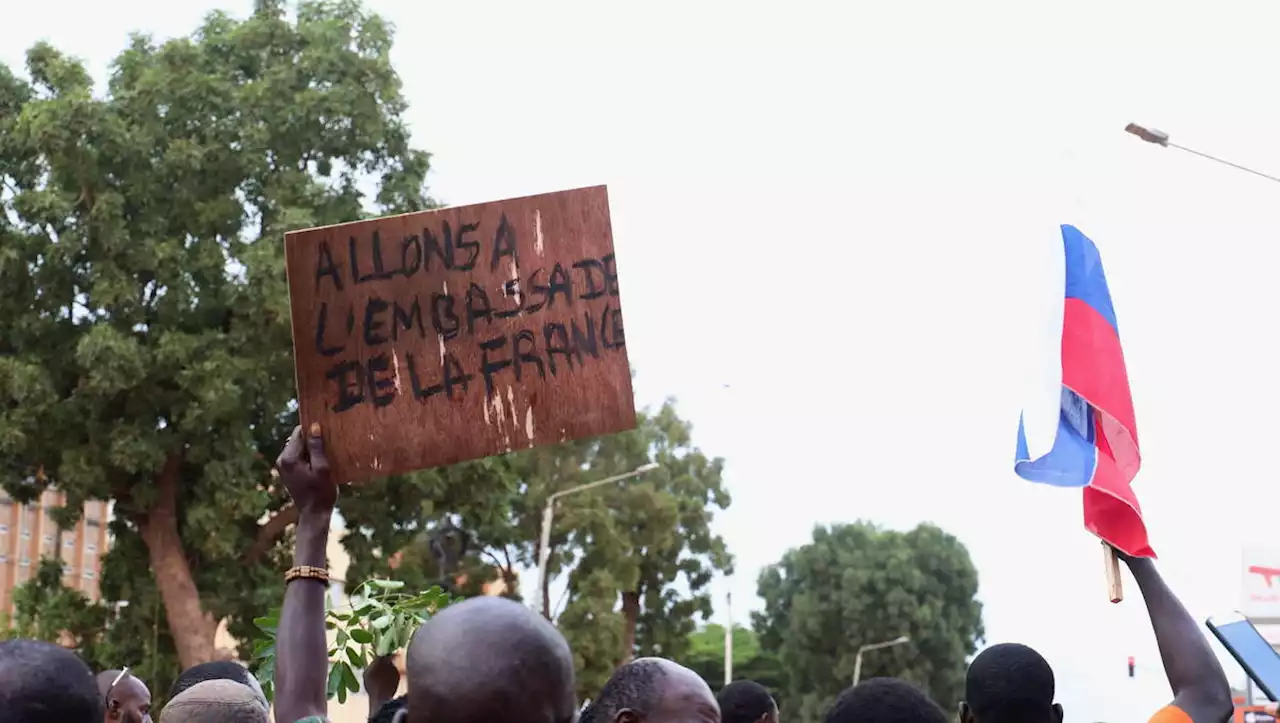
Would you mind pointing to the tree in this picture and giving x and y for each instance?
(146, 349)
(705, 657)
(642, 552)
(856, 584)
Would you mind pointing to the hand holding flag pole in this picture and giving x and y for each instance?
(1095, 448)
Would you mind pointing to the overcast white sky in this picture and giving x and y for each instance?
(842, 211)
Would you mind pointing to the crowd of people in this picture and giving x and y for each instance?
(492, 660)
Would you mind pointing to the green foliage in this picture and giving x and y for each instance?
(381, 621)
(705, 657)
(146, 354)
(648, 538)
(856, 585)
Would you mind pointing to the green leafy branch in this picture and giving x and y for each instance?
(380, 621)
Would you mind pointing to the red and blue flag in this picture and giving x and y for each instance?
(1096, 444)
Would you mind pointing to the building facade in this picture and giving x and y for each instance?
(28, 533)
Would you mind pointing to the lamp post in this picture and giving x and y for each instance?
(1160, 138)
(857, 660)
(548, 515)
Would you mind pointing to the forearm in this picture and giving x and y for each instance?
(301, 649)
(1193, 670)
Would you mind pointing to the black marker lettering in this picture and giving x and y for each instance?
(410, 255)
(537, 289)
(559, 282)
(490, 367)
(504, 244)
(431, 247)
(454, 376)
(372, 308)
(378, 365)
(443, 318)
(478, 307)
(611, 334)
(406, 318)
(556, 340)
(521, 356)
(326, 267)
(472, 247)
(418, 392)
(511, 290)
(347, 376)
(610, 273)
(379, 272)
(321, 324)
(594, 290)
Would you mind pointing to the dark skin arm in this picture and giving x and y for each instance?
(1200, 687)
(302, 660)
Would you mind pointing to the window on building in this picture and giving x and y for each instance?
(26, 534)
(69, 543)
(4, 558)
(4, 529)
(93, 522)
(91, 547)
(26, 562)
(67, 570)
(88, 574)
(48, 538)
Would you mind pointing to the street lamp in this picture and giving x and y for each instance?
(548, 513)
(857, 660)
(1160, 138)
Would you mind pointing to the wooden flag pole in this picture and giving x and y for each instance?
(1115, 589)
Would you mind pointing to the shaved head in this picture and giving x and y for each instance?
(127, 699)
(655, 690)
(489, 660)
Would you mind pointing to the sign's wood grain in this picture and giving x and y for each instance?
(435, 337)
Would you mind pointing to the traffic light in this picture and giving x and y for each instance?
(1130, 666)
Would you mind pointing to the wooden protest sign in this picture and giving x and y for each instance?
(431, 338)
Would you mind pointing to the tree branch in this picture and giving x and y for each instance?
(271, 530)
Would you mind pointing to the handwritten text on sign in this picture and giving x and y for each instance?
(435, 337)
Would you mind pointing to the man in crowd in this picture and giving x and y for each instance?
(46, 683)
(1009, 683)
(884, 700)
(215, 701)
(654, 690)
(746, 701)
(217, 670)
(1013, 684)
(127, 699)
(490, 660)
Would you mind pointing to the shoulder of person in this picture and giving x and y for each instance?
(1171, 714)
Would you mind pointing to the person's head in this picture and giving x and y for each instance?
(215, 701)
(218, 670)
(884, 700)
(1009, 683)
(44, 682)
(127, 699)
(489, 660)
(655, 690)
(746, 701)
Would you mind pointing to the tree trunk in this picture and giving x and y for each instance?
(630, 613)
(192, 628)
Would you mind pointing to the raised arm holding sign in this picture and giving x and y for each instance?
(431, 338)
